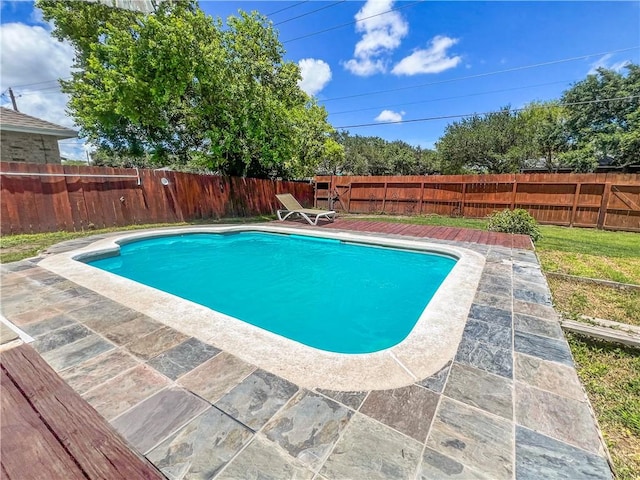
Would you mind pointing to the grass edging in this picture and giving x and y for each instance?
(596, 281)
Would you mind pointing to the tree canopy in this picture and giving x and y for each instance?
(604, 115)
(480, 144)
(183, 88)
(375, 156)
(596, 119)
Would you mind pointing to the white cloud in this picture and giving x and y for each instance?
(29, 55)
(389, 116)
(603, 62)
(315, 75)
(381, 35)
(433, 59)
(32, 61)
(365, 67)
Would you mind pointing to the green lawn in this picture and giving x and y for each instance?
(611, 377)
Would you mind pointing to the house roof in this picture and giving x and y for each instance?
(12, 121)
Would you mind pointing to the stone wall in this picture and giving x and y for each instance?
(29, 147)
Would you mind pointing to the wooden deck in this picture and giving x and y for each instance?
(49, 431)
(427, 231)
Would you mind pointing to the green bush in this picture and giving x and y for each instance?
(514, 221)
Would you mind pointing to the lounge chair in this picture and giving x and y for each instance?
(292, 206)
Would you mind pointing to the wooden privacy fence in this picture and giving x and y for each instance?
(43, 198)
(603, 200)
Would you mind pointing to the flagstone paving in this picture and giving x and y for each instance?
(507, 406)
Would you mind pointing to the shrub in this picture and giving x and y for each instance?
(514, 221)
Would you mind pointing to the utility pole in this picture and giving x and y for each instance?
(13, 100)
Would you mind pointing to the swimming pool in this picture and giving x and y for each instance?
(431, 343)
(325, 293)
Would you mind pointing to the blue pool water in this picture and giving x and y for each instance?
(328, 294)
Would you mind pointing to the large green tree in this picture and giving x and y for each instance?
(481, 144)
(186, 89)
(543, 134)
(365, 155)
(604, 116)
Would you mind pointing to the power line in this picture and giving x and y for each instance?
(462, 115)
(36, 83)
(36, 92)
(309, 13)
(479, 75)
(286, 8)
(448, 98)
(335, 27)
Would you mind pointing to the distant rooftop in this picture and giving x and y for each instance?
(144, 6)
(12, 121)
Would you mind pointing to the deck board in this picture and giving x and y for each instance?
(91, 443)
(25, 436)
(429, 231)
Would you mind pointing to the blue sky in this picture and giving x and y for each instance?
(425, 59)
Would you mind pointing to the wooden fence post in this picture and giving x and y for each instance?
(604, 204)
(514, 192)
(575, 203)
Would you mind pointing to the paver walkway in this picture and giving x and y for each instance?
(509, 405)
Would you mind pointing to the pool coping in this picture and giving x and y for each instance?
(431, 344)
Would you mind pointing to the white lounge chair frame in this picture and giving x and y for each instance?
(293, 207)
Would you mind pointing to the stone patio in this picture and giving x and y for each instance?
(508, 405)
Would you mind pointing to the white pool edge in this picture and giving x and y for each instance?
(429, 346)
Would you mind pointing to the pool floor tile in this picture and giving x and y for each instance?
(436, 382)
(257, 398)
(129, 331)
(538, 456)
(408, 410)
(47, 326)
(119, 394)
(264, 460)
(216, 376)
(157, 417)
(350, 399)
(481, 441)
(492, 299)
(435, 465)
(308, 427)
(102, 315)
(537, 326)
(183, 358)
(60, 337)
(562, 418)
(481, 389)
(485, 356)
(486, 332)
(76, 352)
(155, 343)
(499, 269)
(202, 448)
(550, 376)
(369, 450)
(543, 347)
(489, 314)
(27, 308)
(99, 369)
(532, 296)
(499, 289)
(535, 310)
